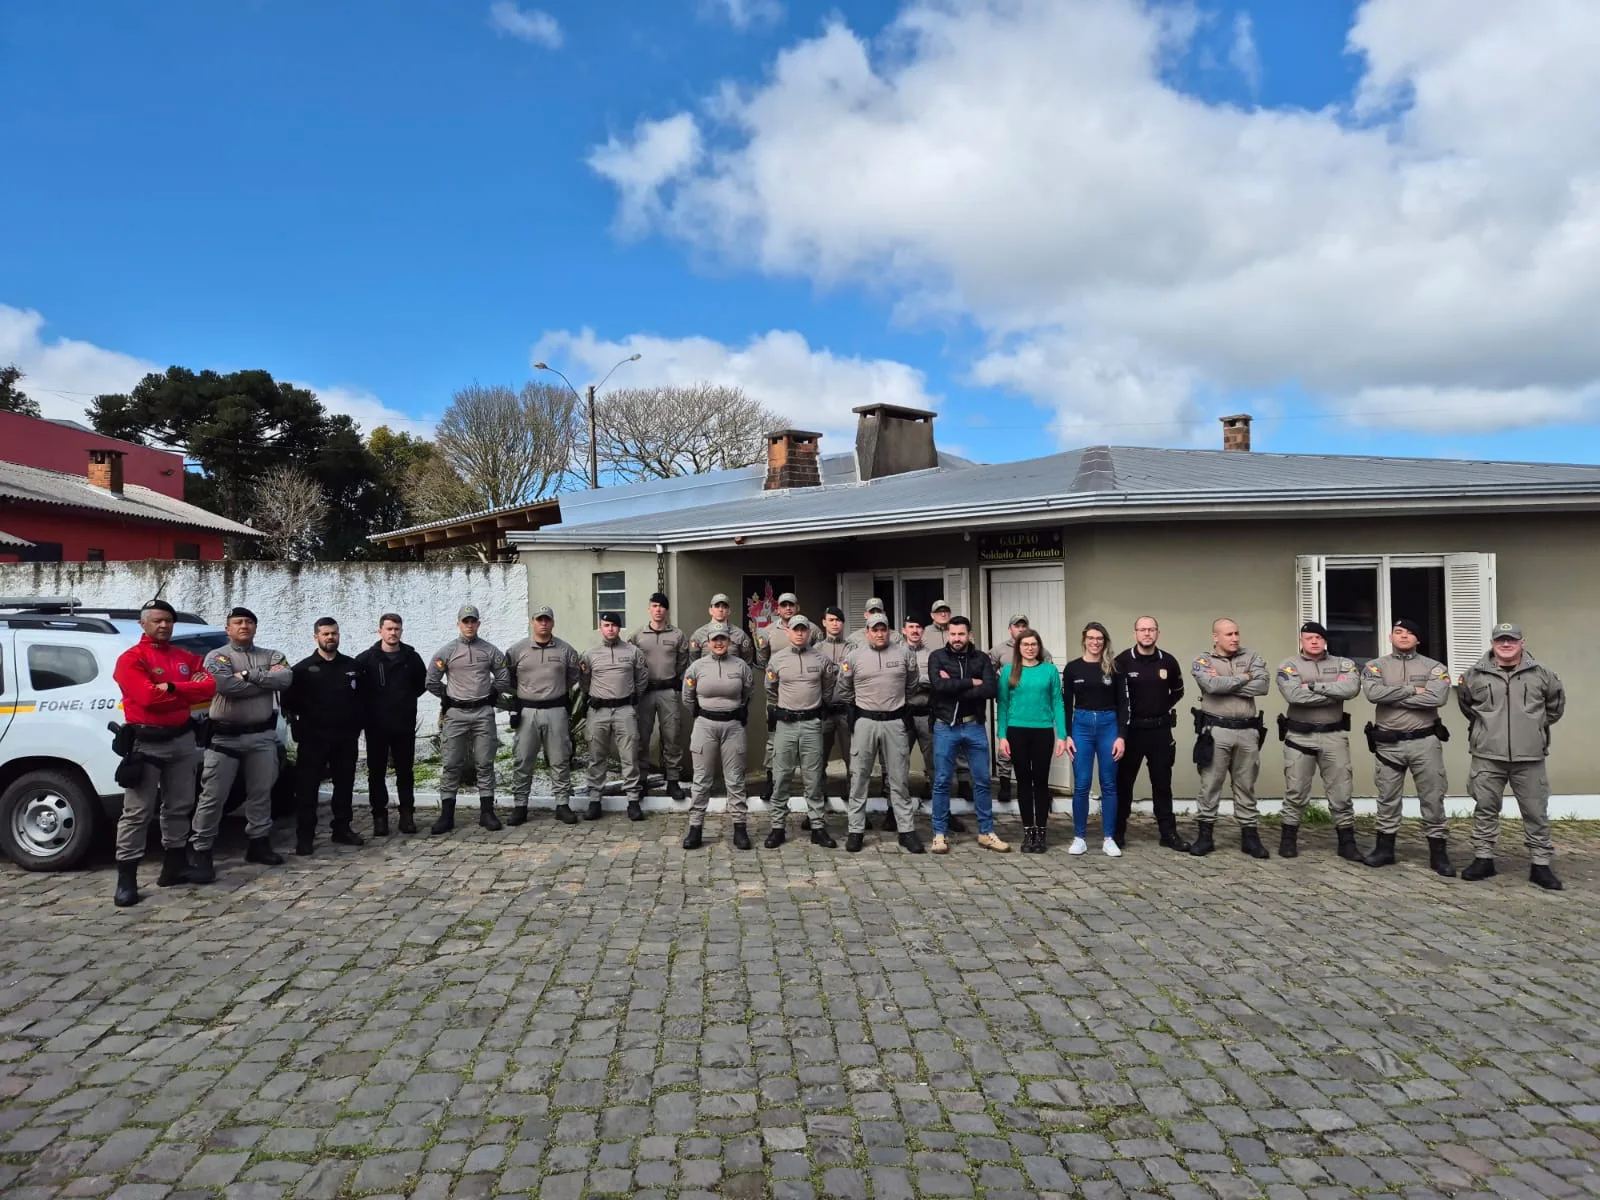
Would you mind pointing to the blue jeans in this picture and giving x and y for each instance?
(1093, 733)
(947, 741)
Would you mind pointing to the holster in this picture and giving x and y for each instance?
(202, 730)
(1372, 742)
(131, 769)
(1311, 750)
(772, 721)
(121, 741)
(1205, 749)
(1283, 729)
(1443, 734)
(1261, 731)
(515, 719)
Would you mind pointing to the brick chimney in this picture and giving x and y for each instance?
(792, 460)
(105, 469)
(1236, 432)
(891, 440)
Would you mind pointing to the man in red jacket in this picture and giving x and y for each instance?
(161, 684)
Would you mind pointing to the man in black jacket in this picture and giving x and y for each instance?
(326, 706)
(1155, 685)
(396, 677)
(963, 682)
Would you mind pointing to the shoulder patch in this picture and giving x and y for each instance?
(688, 680)
(844, 667)
(1286, 669)
(1346, 665)
(438, 662)
(1373, 669)
(772, 676)
(222, 658)
(1202, 661)
(1461, 680)
(1440, 672)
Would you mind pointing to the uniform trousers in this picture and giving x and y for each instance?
(663, 706)
(168, 781)
(614, 731)
(836, 735)
(548, 730)
(1487, 779)
(871, 740)
(797, 744)
(468, 736)
(1424, 758)
(713, 745)
(1236, 757)
(257, 754)
(1157, 749)
(317, 755)
(1330, 756)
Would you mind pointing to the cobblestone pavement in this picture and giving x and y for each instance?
(594, 1011)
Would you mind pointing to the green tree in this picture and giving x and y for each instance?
(12, 398)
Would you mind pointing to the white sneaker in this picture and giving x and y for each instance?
(1079, 846)
(1112, 850)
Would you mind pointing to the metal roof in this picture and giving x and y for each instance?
(473, 526)
(11, 539)
(33, 485)
(1093, 479)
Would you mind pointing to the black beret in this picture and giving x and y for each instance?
(833, 610)
(611, 618)
(661, 599)
(241, 611)
(159, 606)
(1409, 626)
(1315, 627)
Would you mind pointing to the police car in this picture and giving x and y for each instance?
(58, 793)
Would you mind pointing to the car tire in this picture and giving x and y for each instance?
(49, 820)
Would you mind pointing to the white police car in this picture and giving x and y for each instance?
(58, 792)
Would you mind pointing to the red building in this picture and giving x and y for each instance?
(68, 494)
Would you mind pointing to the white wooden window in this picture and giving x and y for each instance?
(912, 591)
(610, 594)
(1359, 597)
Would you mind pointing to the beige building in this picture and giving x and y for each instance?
(1109, 533)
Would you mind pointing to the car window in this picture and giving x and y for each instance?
(200, 643)
(51, 667)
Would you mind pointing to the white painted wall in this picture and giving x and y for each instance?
(287, 598)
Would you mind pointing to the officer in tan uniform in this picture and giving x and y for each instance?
(739, 642)
(836, 721)
(1228, 735)
(717, 689)
(1510, 702)
(800, 685)
(875, 679)
(666, 653)
(873, 608)
(544, 670)
(774, 637)
(613, 675)
(1315, 737)
(468, 674)
(1409, 689)
(934, 636)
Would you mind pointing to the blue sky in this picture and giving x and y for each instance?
(389, 200)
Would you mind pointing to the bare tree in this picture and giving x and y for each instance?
(661, 432)
(508, 447)
(291, 511)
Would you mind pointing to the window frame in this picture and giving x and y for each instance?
(178, 549)
(48, 647)
(596, 591)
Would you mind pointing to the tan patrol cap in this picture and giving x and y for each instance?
(544, 611)
(799, 621)
(720, 598)
(467, 612)
(877, 619)
(875, 605)
(940, 603)
(788, 598)
(1506, 631)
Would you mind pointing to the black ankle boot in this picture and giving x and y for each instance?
(912, 844)
(1439, 857)
(261, 851)
(741, 837)
(380, 823)
(127, 893)
(1289, 842)
(565, 815)
(1350, 852)
(1170, 837)
(674, 789)
(635, 812)
(1383, 853)
(408, 819)
(889, 825)
(594, 811)
(1202, 839)
(175, 869)
(821, 837)
(1250, 843)
(1478, 868)
(447, 817)
(1541, 874)
(776, 838)
(692, 840)
(202, 868)
(519, 815)
(486, 814)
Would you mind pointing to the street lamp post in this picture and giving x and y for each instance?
(588, 398)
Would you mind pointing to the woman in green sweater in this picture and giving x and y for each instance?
(1032, 725)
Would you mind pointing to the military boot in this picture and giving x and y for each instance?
(1004, 794)
(674, 789)
(741, 837)
(127, 893)
(447, 817)
(593, 812)
(565, 815)
(1289, 842)
(380, 822)
(1383, 853)
(1439, 857)
(1250, 843)
(1541, 874)
(821, 837)
(692, 840)
(261, 851)
(1478, 868)
(202, 868)
(1349, 851)
(408, 818)
(175, 869)
(776, 838)
(519, 815)
(1203, 844)
(635, 812)
(486, 814)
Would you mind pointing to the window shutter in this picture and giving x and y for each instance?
(855, 589)
(1469, 609)
(1310, 572)
(955, 591)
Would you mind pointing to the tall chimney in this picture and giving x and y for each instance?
(105, 469)
(891, 440)
(792, 460)
(1236, 432)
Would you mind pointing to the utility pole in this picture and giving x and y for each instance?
(594, 458)
(588, 398)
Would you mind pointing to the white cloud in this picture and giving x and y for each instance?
(743, 14)
(65, 375)
(816, 389)
(1029, 165)
(526, 24)
(1242, 53)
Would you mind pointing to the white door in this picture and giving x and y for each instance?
(1040, 594)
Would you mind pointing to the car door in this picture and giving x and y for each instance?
(9, 696)
(66, 698)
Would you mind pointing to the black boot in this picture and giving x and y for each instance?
(635, 813)
(380, 823)
(674, 789)
(1541, 874)
(1382, 854)
(594, 811)
(175, 869)
(889, 825)
(565, 815)
(821, 837)
(766, 790)
(486, 814)
(912, 844)
(1250, 843)
(1289, 842)
(853, 842)
(343, 835)
(776, 838)
(261, 851)
(692, 839)
(1027, 840)
(447, 817)
(1040, 842)
(408, 819)
(305, 845)
(519, 815)
(202, 869)
(1350, 852)
(1170, 837)
(805, 823)
(1478, 868)
(127, 893)
(1439, 858)
(1005, 791)
(1202, 839)
(741, 837)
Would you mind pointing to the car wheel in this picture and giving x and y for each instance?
(48, 821)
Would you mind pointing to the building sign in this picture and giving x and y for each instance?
(1020, 546)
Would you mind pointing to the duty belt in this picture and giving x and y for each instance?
(472, 705)
(231, 729)
(1390, 736)
(791, 715)
(159, 733)
(893, 714)
(622, 702)
(1294, 726)
(660, 685)
(558, 702)
(1167, 720)
(1230, 722)
(714, 714)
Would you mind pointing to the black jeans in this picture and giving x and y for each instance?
(1031, 752)
(318, 756)
(1158, 749)
(383, 747)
